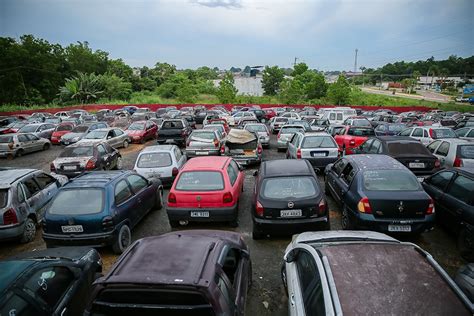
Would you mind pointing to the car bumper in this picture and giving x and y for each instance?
(282, 144)
(136, 139)
(203, 152)
(222, 214)
(368, 221)
(170, 139)
(11, 231)
(92, 240)
(248, 161)
(290, 226)
(7, 153)
(55, 141)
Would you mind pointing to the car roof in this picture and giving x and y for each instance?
(457, 141)
(95, 178)
(158, 148)
(182, 258)
(10, 175)
(375, 162)
(308, 134)
(466, 170)
(206, 163)
(394, 139)
(285, 167)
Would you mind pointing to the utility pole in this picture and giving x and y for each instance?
(294, 64)
(355, 61)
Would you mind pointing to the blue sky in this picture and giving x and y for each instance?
(224, 33)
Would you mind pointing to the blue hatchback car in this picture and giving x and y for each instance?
(100, 208)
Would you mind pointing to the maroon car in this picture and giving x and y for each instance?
(141, 131)
(195, 272)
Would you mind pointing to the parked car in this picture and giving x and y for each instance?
(7, 120)
(319, 148)
(80, 157)
(235, 119)
(453, 152)
(80, 131)
(379, 193)
(465, 133)
(204, 142)
(61, 130)
(286, 134)
(48, 282)
(53, 120)
(175, 130)
(43, 130)
(160, 161)
(452, 190)
(351, 137)
(141, 131)
(100, 209)
(113, 136)
(12, 127)
(121, 122)
(427, 134)
(23, 195)
(130, 109)
(276, 123)
(262, 132)
(389, 129)
(207, 189)
(190, 119)
(357, 121)
(243, 146)
(140, 116)
(216, 127)
(194, 272)
(410, 152)
(321, 278)
(287, 198)
(16, 145)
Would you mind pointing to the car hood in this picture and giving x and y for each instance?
(73, 135)
(135, 132)
(65, 160)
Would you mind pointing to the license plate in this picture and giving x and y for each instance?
(72, 229)
(399, 228)
(202, 153)
(421, 179)
(199, 214)
(319, 154)
(290, 213)
(69, 167)
(416, 165)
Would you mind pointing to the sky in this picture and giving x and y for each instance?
(224, 33)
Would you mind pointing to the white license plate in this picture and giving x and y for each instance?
(199, 214)
(319, 154)
(399, 228)
(69, 167)
(202, 153)
(421, 179)
(72, 229)
(416, 165)
(290, 213)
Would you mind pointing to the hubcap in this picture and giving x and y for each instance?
(30, 230)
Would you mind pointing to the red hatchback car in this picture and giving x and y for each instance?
(351, 137)
(141, 131)
(60, 130)
(207, 189)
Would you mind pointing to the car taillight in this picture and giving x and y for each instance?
(171, 198)
(437, 163)
(216, 143)
(432, 135)
(174, 172)
(259, 149)
(431, 208)
(10, 145)
(322, 207)
(364, 206)
(90, 165)
(298, 153)
(9, 217)
(279, 133)
(222, 150)
(52, 168)
(259, 209)
(458, 162)
(227, 198)
(183, 133)
(352, 142)
(107, 223)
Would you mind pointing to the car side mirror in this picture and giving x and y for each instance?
(291, 255)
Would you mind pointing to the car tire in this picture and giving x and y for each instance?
(118, 164)
(29, 232)
(20, 152)
(346, 219)
(125, 143)
(123, 240)
(46, 146)
(159, 200)
(466, 245)
(174, 224)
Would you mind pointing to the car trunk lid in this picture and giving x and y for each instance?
(400, 206)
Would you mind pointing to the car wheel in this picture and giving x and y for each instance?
(118, 164)
(174, 224)
(20, 152)
(125, 143)
(159, 200)
(29, 232)
(123, 240)
(346, 219)
(46, 146)
(256, 234)
(466, 245)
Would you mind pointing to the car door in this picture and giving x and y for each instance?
(144, 193)
(442, 152)
(104, 157)
(179, 158)
(126, 207)
(49, 187)
(235, 272)
(33, 194)
(433, 146)
(364, 147)
(457, 201)
(343, 182)
(417, 134)
(24, 143)
(292, 147)
(113, 155)
(333, 176)
(376, 147)
(36, 144)
(233, 174)
(436, 187)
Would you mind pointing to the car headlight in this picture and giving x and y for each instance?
(75, 139)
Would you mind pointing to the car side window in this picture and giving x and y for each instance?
(101, 150)
(137, 182)
(425, 133)
(226, 291)
(122, 192)
(348, 173)
(339, 165)
(32, 137)
(441, 179)
(443, 149)
(50, 284)
(310, 283)
(470, 134)
(31, 187)
(44, 180)
(418, 132)
(462, 189)
(231, 264)
(118, 132)
(432, 147)
(22, 138)
(20, 194)
(374, 149)
(232, 174)
(365, 146)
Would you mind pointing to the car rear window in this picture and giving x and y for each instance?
(66, 127)
(200, 181)
(154, 160)
(6, 139)
(282, 188)
(390, 180)
(3, 198)
(255, 128)
(396, 127)
(288, 130)
(444, 133)
(172, 124)
(403, 148)
(318, 142)
(360, 132)
(466, 151)
(80, 129)
(77, 202)
(203, 135)
(82, 151)
(361, 123)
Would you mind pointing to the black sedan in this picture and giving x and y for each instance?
(287, 199)
(377, 192)
(452, 191)
(410, 152)
(48, 282)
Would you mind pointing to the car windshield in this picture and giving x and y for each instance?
(154, 160)
(396, 127)
(291, 130)
(390, 180)
(3, 197)
(62, 128)
(96, 135)
(466, 151)
(318, 142)
(81, 151)
(77, 202)
(6, 139)
(256, 128)
(28, 129)
(200, 181)
(282, 188)
(80, 129)
(360, 132)
(405, 148)
(361, 123)
(281, 119)
(444, 133)
(136, 127)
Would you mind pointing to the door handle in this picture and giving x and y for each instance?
(292, 299)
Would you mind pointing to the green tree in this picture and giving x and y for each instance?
(187, 93)
(299, 69)
(292, 91)
(227, 91)
(271, 80)
(339, 92)
(115, 88)
(83, 88)
(81, 58)
(206, 73)
(168, 89)
(120, 69)
(315, 86)
(162, 72)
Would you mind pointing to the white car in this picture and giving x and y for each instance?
(160, 161)
(235, 119)
(292, 115)
(426, 134)
(465, 133)
(453, 152)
